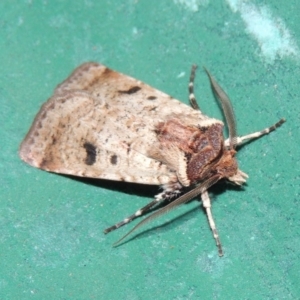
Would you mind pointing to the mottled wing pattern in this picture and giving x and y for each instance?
(101, 124)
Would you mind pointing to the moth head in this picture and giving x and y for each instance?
(227, 167)
(239, 177)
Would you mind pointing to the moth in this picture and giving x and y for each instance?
(102, 124)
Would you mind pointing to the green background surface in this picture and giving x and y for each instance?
(51, 226)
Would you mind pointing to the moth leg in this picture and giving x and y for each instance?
(255, 135)
(138, 213)
(192, 97)
(207, 205)
(170, 191)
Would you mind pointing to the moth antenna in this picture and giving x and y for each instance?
(227, 110)
(192, 97)
(257, 134)
(181, 200)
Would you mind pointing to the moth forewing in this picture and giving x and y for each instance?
(102, 124)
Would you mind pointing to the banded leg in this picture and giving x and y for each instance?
(192, 97)
(255, 135)
(207, 205)
(170, 191)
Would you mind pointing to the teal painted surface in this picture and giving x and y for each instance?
(52, 245)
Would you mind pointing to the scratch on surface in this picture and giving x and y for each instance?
(212, 264)
(192, 5)
(182, 74)
(271, 33)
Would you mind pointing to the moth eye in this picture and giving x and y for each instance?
(114, 159)
(91, 153)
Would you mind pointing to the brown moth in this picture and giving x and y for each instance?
(102, 124)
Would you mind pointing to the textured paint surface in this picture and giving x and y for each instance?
(270, 31)
(52, 245)
(191, 5)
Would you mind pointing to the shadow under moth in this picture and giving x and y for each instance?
(102, 124)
